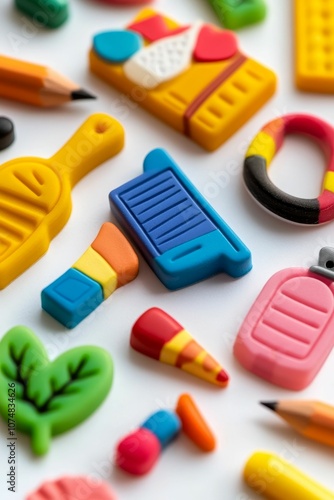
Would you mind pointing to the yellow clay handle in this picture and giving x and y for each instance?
(99, 138)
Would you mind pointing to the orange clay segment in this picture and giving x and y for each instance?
(276, 130)
(193, 423)
(112, 245)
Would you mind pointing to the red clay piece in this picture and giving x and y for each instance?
(214, 44)
(138, 452)
(154, 28)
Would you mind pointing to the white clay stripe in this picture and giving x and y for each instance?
(162, 60)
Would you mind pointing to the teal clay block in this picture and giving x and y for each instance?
(234, 14)
(45, 13)
(72, 297)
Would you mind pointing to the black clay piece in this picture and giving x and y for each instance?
(7, 135)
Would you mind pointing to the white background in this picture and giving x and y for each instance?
(212, 310)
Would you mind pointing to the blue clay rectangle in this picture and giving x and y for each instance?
(181, 236)
(165, 211)
(72, 297)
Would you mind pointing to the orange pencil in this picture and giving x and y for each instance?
(312, 419)
(38, 85)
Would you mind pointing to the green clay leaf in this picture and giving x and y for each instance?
(51, 398)
(235, 14)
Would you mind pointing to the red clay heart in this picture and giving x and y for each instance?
(214, 44)
(154, 28)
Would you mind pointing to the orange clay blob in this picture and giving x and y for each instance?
(193, 423)
(120, 255)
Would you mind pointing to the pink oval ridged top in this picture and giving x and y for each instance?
(288, 332)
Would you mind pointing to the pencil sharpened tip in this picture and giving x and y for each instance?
(272, 405)
(81, 94)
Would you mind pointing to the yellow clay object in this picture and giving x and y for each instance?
(246, 86)
(35, 193)
(314, 45)
(171, 350)
(262, 145)
(274, 478)
(97, 268)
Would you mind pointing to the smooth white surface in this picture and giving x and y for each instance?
(212, 310)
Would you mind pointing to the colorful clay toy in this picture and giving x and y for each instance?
(7, 134)
(109, 263)
(314, 45)
(50, 14)
(158, 431)
(234, 14)
(192, 77)
(182, 238)
(73, 488)
(260, 154)
(287, 334)
(282, 480)
(49, 398)
(35, 194)
(138, 452)
(159, 336)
